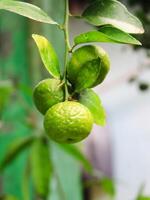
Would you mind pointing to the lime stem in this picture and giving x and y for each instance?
(67, 45)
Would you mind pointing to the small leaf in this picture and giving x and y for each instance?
(48, 55)
(112, 12)
(17, 147)
(108, 186)
(88, 75)
(41, 167)
(27, 10)
(91, 100)
(76, 153)
(106, 33)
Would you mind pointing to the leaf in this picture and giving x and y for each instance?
(27, 10)
(48, 55)
(76, 153)
(108, 186)
(16, 147)
(41, 167)
(106, 33)
(112, 12)
(88, 75)
(91, 100)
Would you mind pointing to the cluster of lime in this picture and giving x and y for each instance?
(67, 120)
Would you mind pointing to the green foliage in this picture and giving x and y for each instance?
(92, 101)
(27, 10)
(6, 89)
(76, 153)
(143, 198)
(48, 55)
(41, 166)
(15, 149)
(112, 12)
(106, 33)
(140, 195)
(108, 186)
(8, 197)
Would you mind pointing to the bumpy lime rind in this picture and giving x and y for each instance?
(47, 93)
(84, 55)
(68, 122)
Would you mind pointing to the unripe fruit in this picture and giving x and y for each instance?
(68, 122)
(81, 57)
(47, 93)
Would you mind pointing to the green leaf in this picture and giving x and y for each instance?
(91, 100)
(48, 55)
(41, 167)
(106, 33)
(27, 10)
(76, 153)
(17, 147)
(108, 186)
(6, 89)
(88, 75)
(112, 12)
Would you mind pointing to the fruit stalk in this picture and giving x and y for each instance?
(67, 44)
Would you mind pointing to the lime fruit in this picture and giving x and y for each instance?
(83, 56)
(47, 93)
(68, 122)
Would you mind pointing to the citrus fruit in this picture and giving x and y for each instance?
(83, 56)
(68, 122)
(47, 93)
(105, 65)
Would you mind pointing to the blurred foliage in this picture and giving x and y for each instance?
(6, 90)
(8, 197)
(108, 186)
(142, 10)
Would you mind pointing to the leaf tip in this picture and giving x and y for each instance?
(40, 40)
(35, 36)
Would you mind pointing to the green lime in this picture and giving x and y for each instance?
(83, 56)
(105, 65)
(47, 93)
(68, 122)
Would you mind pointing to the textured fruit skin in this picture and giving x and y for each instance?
(47, 93)
(105, 66)
(68, 122)
(83, 55)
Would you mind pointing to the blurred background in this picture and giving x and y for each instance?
(119, 151)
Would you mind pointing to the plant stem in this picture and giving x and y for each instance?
(66, 27)
(67, 44)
